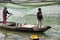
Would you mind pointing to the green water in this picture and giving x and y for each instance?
(27, 14)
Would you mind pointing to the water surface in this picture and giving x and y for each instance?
(27, 15)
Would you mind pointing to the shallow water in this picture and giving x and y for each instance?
(27, 15)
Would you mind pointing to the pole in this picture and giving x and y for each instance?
(5, 33)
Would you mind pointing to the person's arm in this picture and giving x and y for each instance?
(8, 12)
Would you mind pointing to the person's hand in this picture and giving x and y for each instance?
(11, 14)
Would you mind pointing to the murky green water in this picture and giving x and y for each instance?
(27, 15)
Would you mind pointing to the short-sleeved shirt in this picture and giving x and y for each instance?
(39, 16)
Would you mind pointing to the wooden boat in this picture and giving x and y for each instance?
(11, 26)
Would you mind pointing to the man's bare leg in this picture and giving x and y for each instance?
(40, 23)
(5, 32)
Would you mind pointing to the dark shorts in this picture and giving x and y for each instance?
(40, 17)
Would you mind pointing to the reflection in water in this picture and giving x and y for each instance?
(17, 37)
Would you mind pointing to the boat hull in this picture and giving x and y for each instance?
(11, 27)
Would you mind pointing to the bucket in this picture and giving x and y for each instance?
(34, 37)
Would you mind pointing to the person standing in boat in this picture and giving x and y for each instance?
(39, 17)
(5, 12)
